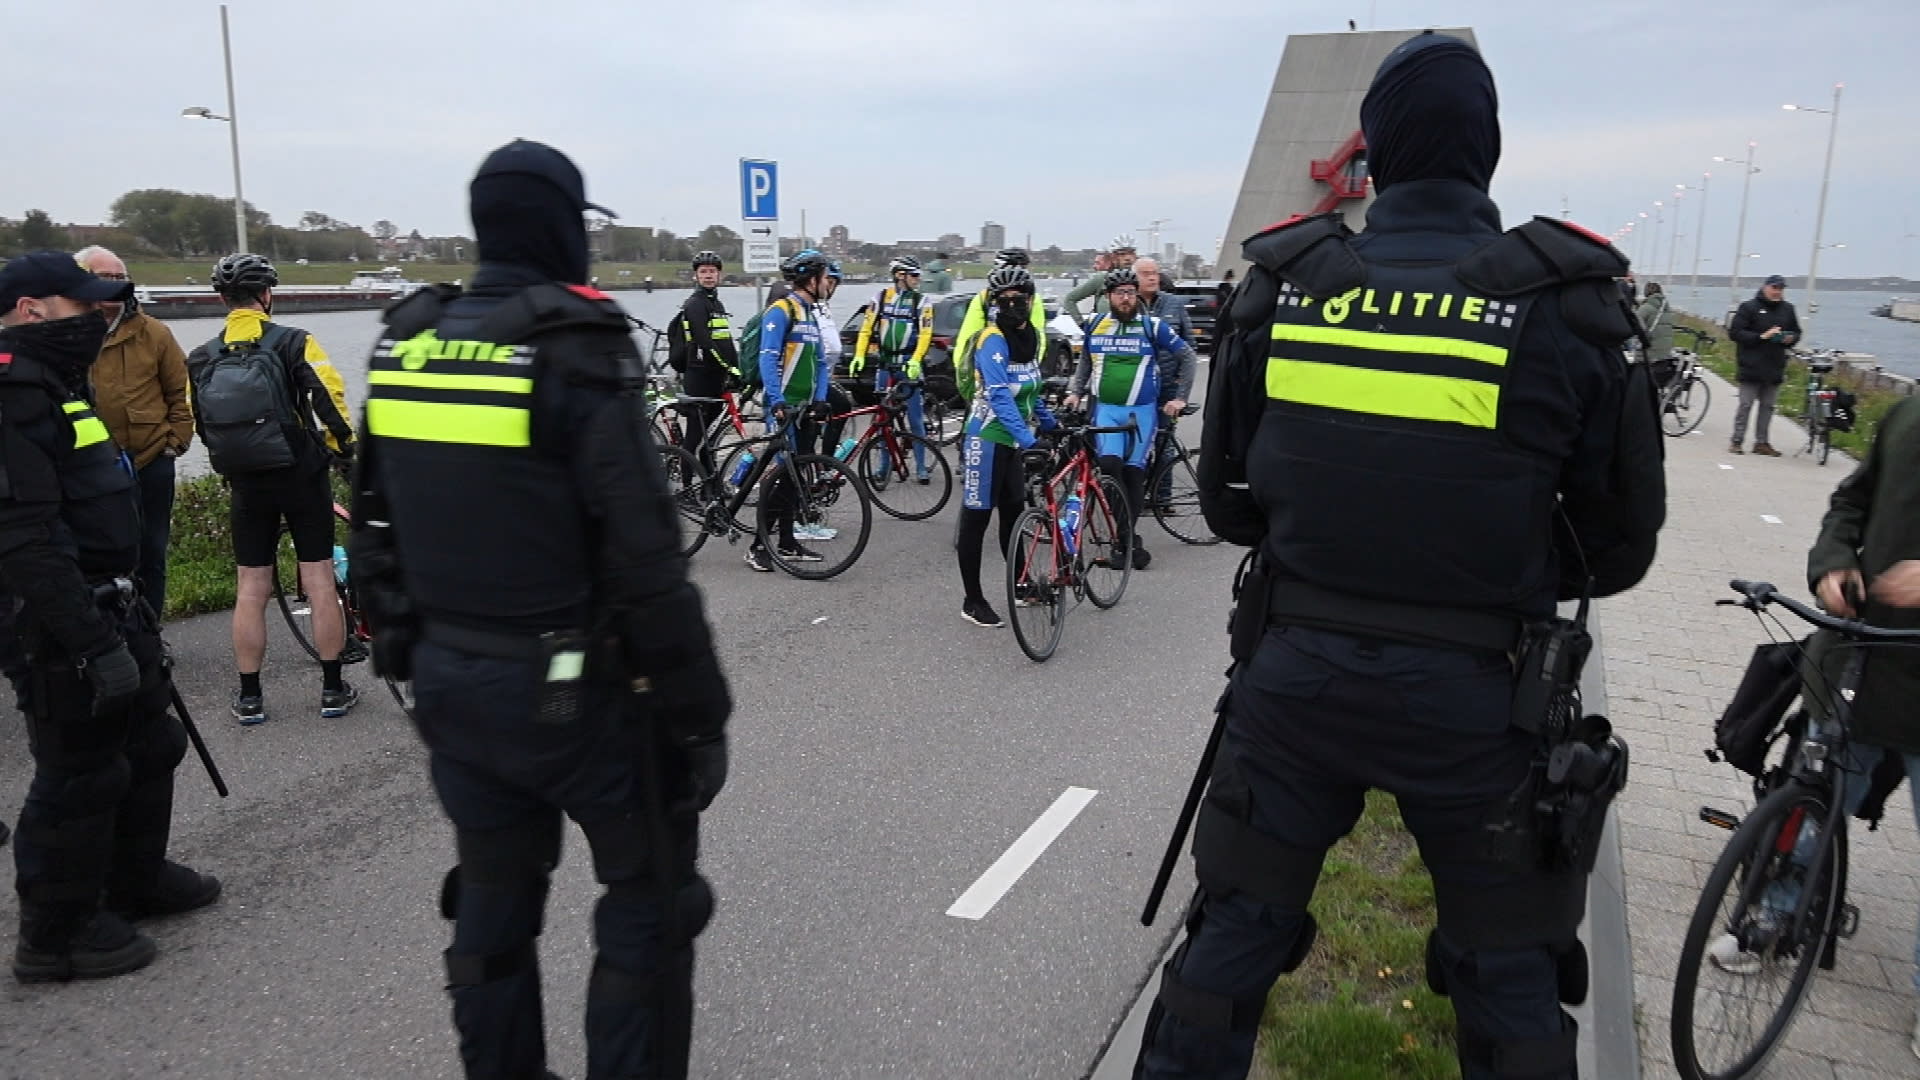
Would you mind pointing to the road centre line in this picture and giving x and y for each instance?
(984, 893)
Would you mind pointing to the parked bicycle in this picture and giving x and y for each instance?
(1685, 393)
(905, 474)
(1074, 540)
(1828, 409)
(1173, 489)
(297, 609)
(1775, 902)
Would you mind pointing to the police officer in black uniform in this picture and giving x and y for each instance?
(86, 653)
(1394, 419)
(519, 553)
(704, 348)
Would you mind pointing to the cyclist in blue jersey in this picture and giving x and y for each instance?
(796, 380)
(1119, 371)
(897, 331)
(999, 446)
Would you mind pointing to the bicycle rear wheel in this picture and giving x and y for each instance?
(1826, 443)
(1745, 963)
(1684, 405)
(828, 495)
(1174, 493)
(1036, 597)
(893, 479)
(1106, 543)
(944, 422)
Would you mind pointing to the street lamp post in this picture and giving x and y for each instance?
(1820, 214)
(1699, 231)
(233, 134)
(1740, 233)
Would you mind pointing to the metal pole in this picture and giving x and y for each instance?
(1699, 232)
(1819, 219)
(1673, 242)
(1740, 236)
(233, 133)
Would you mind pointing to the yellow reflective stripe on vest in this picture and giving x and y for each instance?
(1399, 343)
(447, 422)
(87, 428)
(428, 380)
(1384, 393)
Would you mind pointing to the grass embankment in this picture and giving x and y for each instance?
(1359, 1008)
(200, 569)
(1871, 406)
(665, 275)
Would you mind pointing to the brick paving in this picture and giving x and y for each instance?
(1672, 661)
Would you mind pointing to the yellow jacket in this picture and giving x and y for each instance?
(244, 324)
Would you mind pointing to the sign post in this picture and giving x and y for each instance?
(759, 215)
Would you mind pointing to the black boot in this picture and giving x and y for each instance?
(52, 949)
(174, 891)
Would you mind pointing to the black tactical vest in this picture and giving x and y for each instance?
(58, 451)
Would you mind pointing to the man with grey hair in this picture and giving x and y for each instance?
(140, 389)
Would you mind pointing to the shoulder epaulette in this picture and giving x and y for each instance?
(1541, 253)
(1311, 252)
(419, 310)
(549, 306)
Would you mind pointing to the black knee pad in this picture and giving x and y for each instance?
(1302, 944)
(96, 788)
(693, 904)
(1570, 966)
(1436, 965)
(450, 894)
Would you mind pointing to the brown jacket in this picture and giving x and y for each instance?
(140, 382)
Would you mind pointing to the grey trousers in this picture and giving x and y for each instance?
(1751, 394)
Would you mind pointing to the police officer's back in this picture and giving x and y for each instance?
(1410, 410)
(515, 541)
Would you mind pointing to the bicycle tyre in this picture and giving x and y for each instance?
(402, 694)
(824, 483)
(1755, 844)
(1105, 528)
(1179, 513)
(1683, 406)
(944, 422)
(892, 486)
(1826, 444)
(294, 623)
(1032, 546)
(688, 487)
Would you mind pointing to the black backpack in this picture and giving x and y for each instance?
(679, 342)
(1758, 715)
(243, 403)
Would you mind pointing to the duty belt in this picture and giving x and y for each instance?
(1297, 603)
(498, 644)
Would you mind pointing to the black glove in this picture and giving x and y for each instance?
(706, 770)
(819, 410)
(1036, 461)
(393, 651)
(114, 675)
(691, 701)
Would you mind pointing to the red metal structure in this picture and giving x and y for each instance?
(1336, 173)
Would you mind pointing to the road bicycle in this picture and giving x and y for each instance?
(1173, 489)
(905, 474)
(1685, 393)
(1829, 409)
(1074, 541)
(741, 500)
(1775, 903)
(297, 609)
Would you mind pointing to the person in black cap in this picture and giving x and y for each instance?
(89, 672)
(519, 555)
(1763, 328)
(1409, 407)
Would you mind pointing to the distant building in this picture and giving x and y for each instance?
(1171, 255)
(993, 236)
(925, 246)
(839, 242)
(952, 241)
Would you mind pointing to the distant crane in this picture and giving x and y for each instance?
(1153, 230)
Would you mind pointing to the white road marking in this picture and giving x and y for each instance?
(819, 620)
(983, 894)
(1726, 466)
(1769, 519)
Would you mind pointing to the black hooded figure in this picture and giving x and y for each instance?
(516, 549)
(1420, 429)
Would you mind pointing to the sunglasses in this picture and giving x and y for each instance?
(1013, 298)
(113, 277)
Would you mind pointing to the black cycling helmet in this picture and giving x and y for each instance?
(1009, 277)
(1012, 256)
(1121, 278)
(804, 265)
(708, 258)
(243, 275)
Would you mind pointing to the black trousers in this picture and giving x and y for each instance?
(506, 783)
(156, 524)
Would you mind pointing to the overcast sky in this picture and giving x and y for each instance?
(1070, 120)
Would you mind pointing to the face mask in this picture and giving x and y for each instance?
(1013, 313)
(67, 345)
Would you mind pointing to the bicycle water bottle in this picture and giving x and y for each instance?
(339, 564)
(741, 468)
(1070, 524)
(845, 449)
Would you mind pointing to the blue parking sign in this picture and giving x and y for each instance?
(759, 197)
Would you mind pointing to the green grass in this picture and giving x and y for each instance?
(1872, 404)
(1359, 1008)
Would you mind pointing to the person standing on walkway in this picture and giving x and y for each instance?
(258, 388)
(705, 347)
(1762, 329)
(91, 854)
(515, 544)
(1405, 469)
(1657, 316)
(140, 391)
(1119, 256)
(980, 315)
(797, 379)
(897, 331)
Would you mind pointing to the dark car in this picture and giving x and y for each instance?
(1203, 309)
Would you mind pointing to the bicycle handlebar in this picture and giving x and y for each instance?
(1758, 594)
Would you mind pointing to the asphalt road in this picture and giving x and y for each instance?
(886, 753)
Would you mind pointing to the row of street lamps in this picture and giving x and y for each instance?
(1635, 226)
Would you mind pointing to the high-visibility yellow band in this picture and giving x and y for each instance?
(1384, 393)
(87, 429)
(1399, 343)
(447, 422)
(428, 380)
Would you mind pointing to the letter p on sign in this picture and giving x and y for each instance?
(759, 190)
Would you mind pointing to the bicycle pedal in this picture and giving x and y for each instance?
(1719, 818)
(1848, 924)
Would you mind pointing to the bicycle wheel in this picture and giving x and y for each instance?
(1761, 960)
(1105, 558)
(402, 694)
(829, 495)
(294, 605)
(892, 479)
(689, 488)
(1825, 440)
(1036, 597)
(1174, 493)
(1684, 406)
(944, 422)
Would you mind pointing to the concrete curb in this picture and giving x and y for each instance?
(1607, 1030)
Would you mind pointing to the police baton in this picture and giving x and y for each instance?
(199, 744)
(1187, 810)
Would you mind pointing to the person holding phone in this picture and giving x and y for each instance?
(1763, 329)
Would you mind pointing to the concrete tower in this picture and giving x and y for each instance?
(1308, 152)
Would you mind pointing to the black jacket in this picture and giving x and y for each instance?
(1763, 361)
(699, 316)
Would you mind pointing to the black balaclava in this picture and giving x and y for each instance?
(523, 219)
(1432, 114)
(68, 346)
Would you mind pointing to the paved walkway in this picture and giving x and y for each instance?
(1672, 661)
